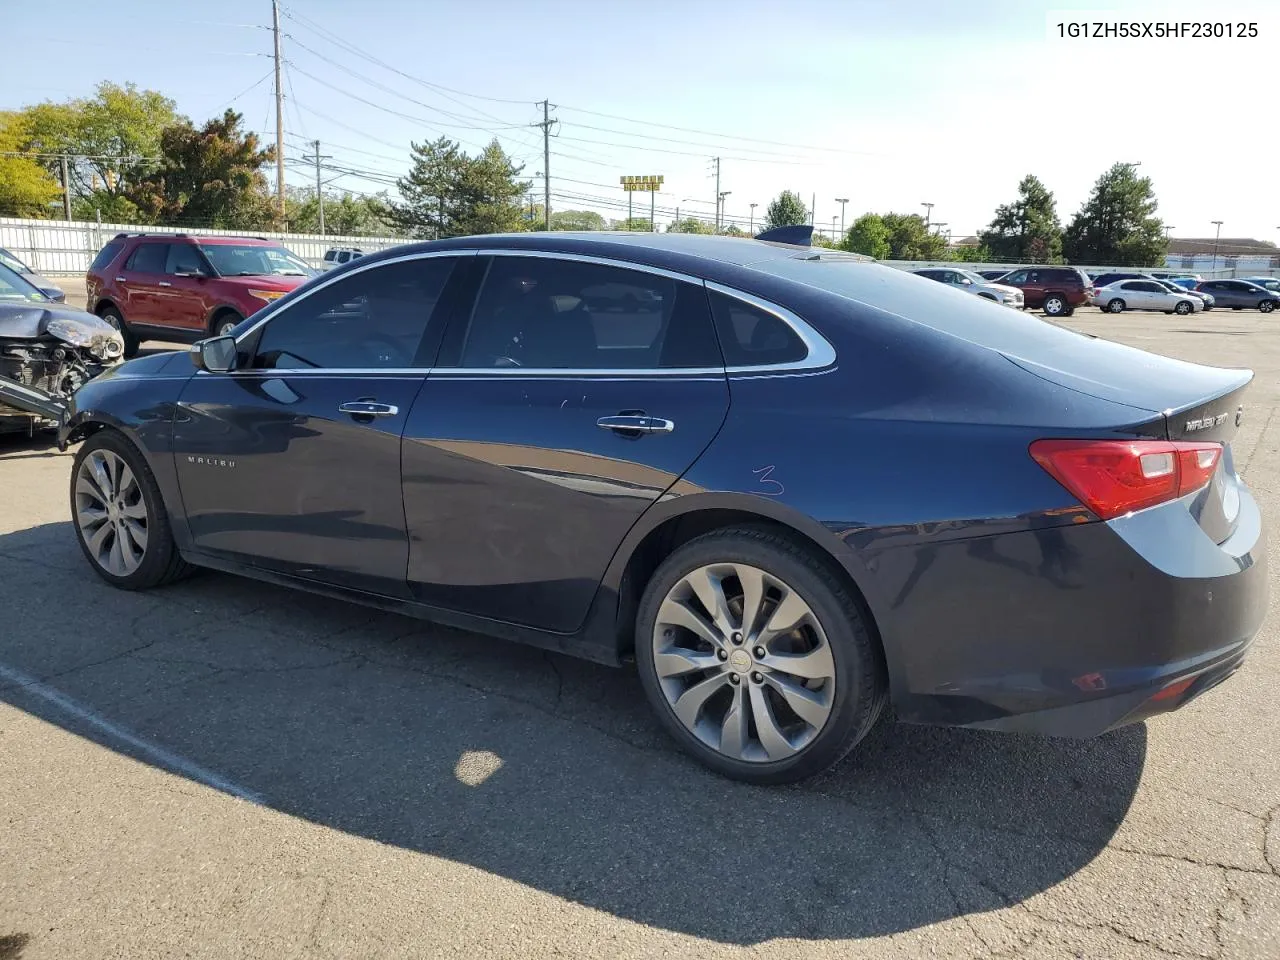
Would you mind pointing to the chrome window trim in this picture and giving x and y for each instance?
(820, 354)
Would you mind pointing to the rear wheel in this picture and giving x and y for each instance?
(131, 340)
(756, 658)
(1266, 306)
(120, 518)
(1055, 305)
(1115, 306)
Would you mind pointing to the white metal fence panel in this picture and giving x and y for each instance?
(68, 246)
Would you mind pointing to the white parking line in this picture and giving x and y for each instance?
(155, 754)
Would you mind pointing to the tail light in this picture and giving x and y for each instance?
(1115, 477)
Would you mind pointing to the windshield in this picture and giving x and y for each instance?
(255, 260)
(970, 275)
(12, 262)
(15, 287)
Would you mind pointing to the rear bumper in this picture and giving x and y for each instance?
(1073, 630)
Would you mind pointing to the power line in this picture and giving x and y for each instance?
(253, 86)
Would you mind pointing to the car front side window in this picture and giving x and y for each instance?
(547, 313)
(373, 319)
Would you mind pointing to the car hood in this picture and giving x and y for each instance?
(28, 320)
(1000, 288)
(282, 284)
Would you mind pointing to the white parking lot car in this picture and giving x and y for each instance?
(337, 256)
(973, 283)
(1144, 295)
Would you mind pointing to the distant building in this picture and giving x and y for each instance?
(970, 242)
(1235, 256)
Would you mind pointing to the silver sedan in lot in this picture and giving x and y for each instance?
(1144, 295)
(976, 284)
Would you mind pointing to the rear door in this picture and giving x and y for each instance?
(577, 393)
(139, 283)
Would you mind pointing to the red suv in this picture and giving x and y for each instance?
(1055, 290)
(181, 287)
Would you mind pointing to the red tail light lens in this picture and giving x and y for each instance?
(1115, 477)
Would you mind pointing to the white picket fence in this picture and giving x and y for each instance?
(68, 246)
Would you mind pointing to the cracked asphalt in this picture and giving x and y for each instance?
(229, 769)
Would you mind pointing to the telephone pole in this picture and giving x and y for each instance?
(842, 201)
(66, 187)
(718, 196)
(751, 228)
(275, 27)
(546, 163)
(319, 190)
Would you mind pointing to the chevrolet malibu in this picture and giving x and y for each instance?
(797, 488)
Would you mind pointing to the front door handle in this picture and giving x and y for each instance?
(120, 280)
(164, 283)
(634, 424)
(367, 408)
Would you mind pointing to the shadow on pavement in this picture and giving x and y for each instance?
(546, 770)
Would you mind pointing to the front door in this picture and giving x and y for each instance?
(140, 283)
(293, 462)
(183, 303)
(575, 397)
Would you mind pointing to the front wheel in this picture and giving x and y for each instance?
(1182, 308)
(131, 341)
(1115, 306)
(1266, 306)
(119, 515)
(757, 659)
(224, 323)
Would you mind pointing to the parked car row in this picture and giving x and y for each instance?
(1055, 290)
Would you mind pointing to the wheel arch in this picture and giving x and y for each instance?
(220, 309)
(665, 527)
(105, 303)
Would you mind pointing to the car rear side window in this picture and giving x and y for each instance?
(148, 258)
(544, 313)
(374, 319)
(752, 337)
(106, 255)
(328, 256)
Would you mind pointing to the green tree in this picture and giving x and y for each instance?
(432, 190)
(910, 238)
(347, 214)
(691, 225)
(1027, 229)
(116, 132)
(1117, 224)
(210, 176)
(577, 220)
(492, 192)
(26, 188)
(634, 224)
(786, 210)
(868, 236)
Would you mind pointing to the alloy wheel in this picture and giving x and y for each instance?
(743, 662)
(111, 513)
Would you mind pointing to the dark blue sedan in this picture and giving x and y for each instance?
(795, 486)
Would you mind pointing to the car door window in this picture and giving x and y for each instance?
(1130, 285)
(1016, 278)
(329, 255)
(544, 313)
(184, 259)
(148, 258)
(373, 319)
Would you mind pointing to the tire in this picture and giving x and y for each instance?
(221, 323)
(1266, 306)
(116, 319)
(1182, 308)
(1055, 305)
(158, 561)
(1115, 305)
(846, 663)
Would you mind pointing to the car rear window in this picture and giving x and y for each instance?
(149, 258)
(106, 254)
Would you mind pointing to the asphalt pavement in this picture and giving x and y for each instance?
(229, 769)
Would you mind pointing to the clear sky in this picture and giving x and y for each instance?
(888, 104)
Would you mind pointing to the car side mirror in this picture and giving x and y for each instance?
(214, 355)
(967, 282)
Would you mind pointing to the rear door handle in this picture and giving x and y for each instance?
(636, 424)
(120, 280)
(367, 408)
(164, 283)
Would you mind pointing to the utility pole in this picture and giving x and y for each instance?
(546, 163)
(842, 201)
(928, 214)
(720, 205)
(751, 227)
(275, 26)
(319, 192)
(813, 210)
(66, 187)
(1216, 235)
(653, 227)
(718, 197)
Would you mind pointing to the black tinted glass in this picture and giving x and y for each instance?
(106, 255)
(543, 313)
(184, 258)
(149, 258)
(369, 320)
(751, 337)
